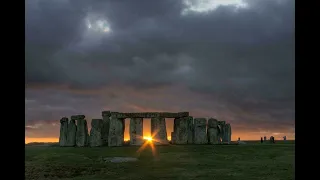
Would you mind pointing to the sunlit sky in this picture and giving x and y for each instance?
(229, 59)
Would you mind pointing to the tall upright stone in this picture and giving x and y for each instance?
(221, 134)
(212, 131)
(158, 130)
(228, 132)
(181, 130)
(82, 131)
(200, 131)
(95, 133)
(136, 131)
(173, 138)
(116, 131)
(190, 129)
(72, 130)
(105, 126)
(63, 131)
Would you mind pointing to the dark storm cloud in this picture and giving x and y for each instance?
(239, 59)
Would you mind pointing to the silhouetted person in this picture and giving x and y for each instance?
(261, 140)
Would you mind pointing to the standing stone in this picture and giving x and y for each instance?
(72, 130)
(190, 129)
(63, 131)
(264, 138)
(221, 134)
(82, 131)
(136, 131)
(116, 131)
(200, 135)
(105, 126)
(228, 131)
(95, 133)
(173, 138)
(212, 131)
(284, 138)
(181, 131)
(158, 130)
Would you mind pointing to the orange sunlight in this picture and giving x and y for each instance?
(49, 140)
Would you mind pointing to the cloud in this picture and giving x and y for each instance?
(234, 62)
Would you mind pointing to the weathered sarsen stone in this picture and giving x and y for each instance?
(72, 130)
(63, 131)
(212, 131)
(116, 131)
(181, 132)
(173, 138)
(190, 129)
(228, 131)
(221, 129)
(82, 131)
(105, 126)
(200, 131)
(159, 131)
(95, 132)
(136, 131)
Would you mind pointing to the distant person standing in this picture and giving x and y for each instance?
(284, 138)
(261, 140)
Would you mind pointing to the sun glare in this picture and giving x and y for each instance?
(147, 138)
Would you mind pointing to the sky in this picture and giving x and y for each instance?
(228, 59)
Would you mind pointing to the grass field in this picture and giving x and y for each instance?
(221, 162)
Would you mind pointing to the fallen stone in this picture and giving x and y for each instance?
(200, 131)
(63, 132)
(95, 133)
(120, 159)
(72, 130)
(136, 131)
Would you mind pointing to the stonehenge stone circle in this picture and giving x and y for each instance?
(72, 130)
(200, 131)
(136, 131)
(63, 131)
(109, 130)
(95, 133)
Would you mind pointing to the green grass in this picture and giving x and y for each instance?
(221, 162)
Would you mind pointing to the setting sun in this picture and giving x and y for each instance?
(147, 138)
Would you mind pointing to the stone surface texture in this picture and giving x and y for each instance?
(181, 130)
(95, 133)
(200, 131)
(136, 131)
(158, 130)
(105, 126)
(212, 131)
(72, 131)
(82, 132)
(190, 129)
(116, 131)
(63, 131)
